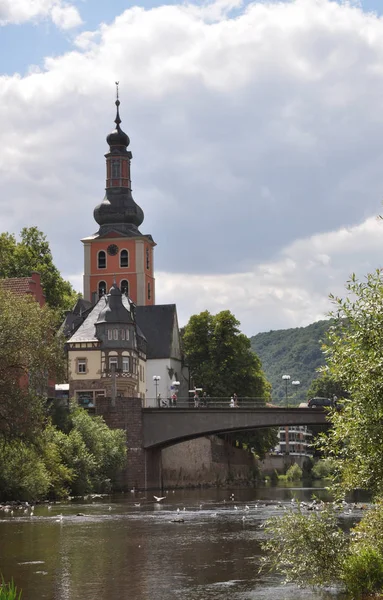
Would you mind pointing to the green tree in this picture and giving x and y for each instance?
(355, 359)
(325, 386)
(222, 362)
(220, 357)
(32, 253)
(31, 353)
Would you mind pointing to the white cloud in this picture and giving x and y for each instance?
(292, 291)
(257, 144)
(63, 15)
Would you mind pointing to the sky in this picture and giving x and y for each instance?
(257, 137)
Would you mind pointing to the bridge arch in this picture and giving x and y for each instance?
(166, 427)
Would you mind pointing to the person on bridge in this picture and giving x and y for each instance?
(196, 400)
(236, 404)
(231, 404)
(174, 399)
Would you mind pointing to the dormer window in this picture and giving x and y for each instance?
(124, 258)
(101, 260)
(125, 287)
(101, 289)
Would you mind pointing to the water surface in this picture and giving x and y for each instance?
(198, 545)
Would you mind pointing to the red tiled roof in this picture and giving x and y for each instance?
(17, 285)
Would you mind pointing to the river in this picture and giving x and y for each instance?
(129, 547)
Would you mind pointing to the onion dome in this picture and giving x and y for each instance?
(118, 211)
(118, 137)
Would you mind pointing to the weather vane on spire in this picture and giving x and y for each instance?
(117, 84)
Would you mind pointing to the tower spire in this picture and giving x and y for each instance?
(118, 211)
(117, 120)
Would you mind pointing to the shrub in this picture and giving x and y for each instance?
(23, 475)
(294, 473)
(324, 468)
(309, 550)
(363, 572)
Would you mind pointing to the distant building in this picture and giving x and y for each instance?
(295, 440)
(25, 285)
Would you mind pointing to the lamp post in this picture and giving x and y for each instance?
(286, 379)
(295, 383)
(157, 379)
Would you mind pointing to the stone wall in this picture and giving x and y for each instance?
(207, 461)
(143, 469)
(280, 463)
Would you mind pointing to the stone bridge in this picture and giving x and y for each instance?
(165, 427)
(148, 430)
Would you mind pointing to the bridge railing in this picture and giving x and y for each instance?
(203, 403)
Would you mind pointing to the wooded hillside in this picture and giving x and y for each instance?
(295, 352)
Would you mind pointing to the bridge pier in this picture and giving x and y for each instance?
(143, 470)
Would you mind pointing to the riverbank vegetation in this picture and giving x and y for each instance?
(8, 590)
(42, 456)
(85, 458)
(299, 544)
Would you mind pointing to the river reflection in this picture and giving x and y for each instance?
(194, 544)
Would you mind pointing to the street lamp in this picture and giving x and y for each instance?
(156, 379)
(286, 379)
(295, 383)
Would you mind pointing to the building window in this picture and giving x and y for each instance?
(125, 364)
(101, 289)
(124, 258)
(149, 291)
(81, 366)
(85, 398)
(147, 258)
(110, 334)
(125, 287)
(113, 363)
(115, 334)
(116, 169)
(134, 366)
(101, 260)
(124, 334)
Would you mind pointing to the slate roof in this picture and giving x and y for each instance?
(75, 317)
(157, 323)
(86, 332)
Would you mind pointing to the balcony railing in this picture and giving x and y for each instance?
(119, 373)
(205, 403)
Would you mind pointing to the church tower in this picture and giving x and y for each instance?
(119, 252)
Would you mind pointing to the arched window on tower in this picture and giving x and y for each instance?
(101, 288)
(149, 291)
(124, 258)
(116, 169)
(125, 287)
(101, 259)
(147, 258)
